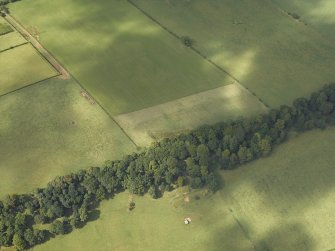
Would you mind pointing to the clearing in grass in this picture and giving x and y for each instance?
(48, 130)
(209, 107)
(282, 202)
(11, 40)
(125, 60)
(274, 56)
(22, 66)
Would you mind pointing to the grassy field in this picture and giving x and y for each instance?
(286, 201)
(153, 123)
(276, 57)
(49, 129)
(22, 66)
(4, 27)
(125, 60)
(283, 202)
(157, 225)
(319, 14)
(154, 85)
(10, 40)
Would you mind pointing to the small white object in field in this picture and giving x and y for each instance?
(187, 220)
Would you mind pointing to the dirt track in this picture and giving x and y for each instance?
(46, 54)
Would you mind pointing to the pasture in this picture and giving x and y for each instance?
(49, 129)
(209, 107)
(318, 14)
(126, 61)
(22, 66)
(154, 86)
(276, 57)
(4, 27)
(11, 40)
(286, 201)
(283, 202)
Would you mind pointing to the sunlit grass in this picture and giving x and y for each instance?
(10, 40)
(209, 107)
(22, 66)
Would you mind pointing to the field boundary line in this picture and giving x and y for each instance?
(104, 109)
(29, 85)
(245, 232)
(50, 58)
(37, 45)
(13, 47)
(196, 51)
(7, 32)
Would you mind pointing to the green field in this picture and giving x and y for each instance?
(4, 27)
(210, 107)
(22, 66)
(318, 14)
(154, 87)
(49, 129)
(11, 40)
(283, 202)
(276, 57)
(126, 61)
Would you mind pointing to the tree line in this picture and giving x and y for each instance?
(191, 158)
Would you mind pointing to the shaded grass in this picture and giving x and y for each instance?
(11, 40)
(22, 66)
(126, 61)
(274, 56)
(4, 28)
(287, 199)
(49, 129)
(318, 14)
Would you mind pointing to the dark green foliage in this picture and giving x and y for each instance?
(187, 41)
(294, 15)
(60, 227)
(191, 158)
(131, 206)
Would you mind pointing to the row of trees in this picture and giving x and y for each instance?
(188, 159)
